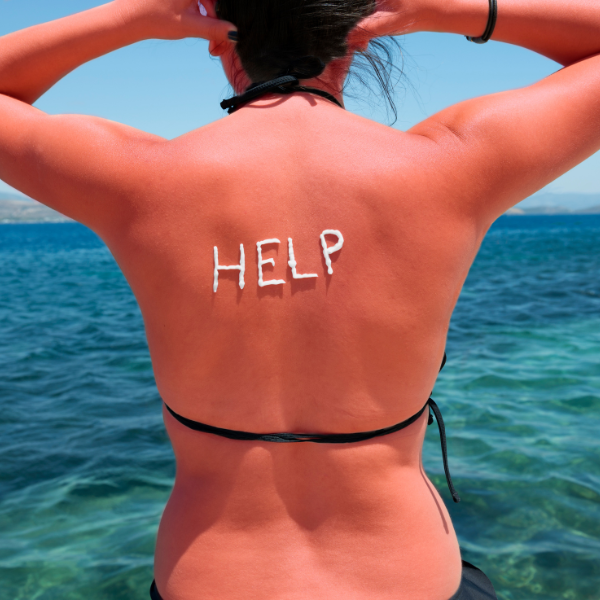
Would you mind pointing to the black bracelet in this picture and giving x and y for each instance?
(487, 34)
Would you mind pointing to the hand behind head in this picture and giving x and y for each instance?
(391, 17)
(174, 19)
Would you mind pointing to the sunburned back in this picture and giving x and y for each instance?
(354, 350)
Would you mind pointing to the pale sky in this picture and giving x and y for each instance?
(168, 88)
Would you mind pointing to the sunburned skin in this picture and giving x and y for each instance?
(358, 350)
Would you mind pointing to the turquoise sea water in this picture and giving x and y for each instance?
(85, 465)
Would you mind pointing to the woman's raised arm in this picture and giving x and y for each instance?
(564, 31)
(85, 167)
(34, 59)
(488, 153)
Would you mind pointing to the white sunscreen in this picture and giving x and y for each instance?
(327, 252)
(292, 262)
(269, 261)
(241, 267)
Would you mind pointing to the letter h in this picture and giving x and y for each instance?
(241, 267)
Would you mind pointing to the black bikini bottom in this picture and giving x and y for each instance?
(473, 586)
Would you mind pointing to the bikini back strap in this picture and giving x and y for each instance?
(286, 438)
(330, 438)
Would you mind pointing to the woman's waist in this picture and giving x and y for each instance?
(281, 531)
(233, 484)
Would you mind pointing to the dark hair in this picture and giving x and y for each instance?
(300, 37)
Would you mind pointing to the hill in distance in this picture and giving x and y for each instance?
(17, 208)
(558, 204)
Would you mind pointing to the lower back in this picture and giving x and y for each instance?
(267, 520)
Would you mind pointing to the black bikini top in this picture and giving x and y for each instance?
(286, 84)
(331, 438)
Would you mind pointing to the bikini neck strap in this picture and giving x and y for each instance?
(286, 84)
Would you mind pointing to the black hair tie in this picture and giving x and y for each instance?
(491, 24)
(305, 67)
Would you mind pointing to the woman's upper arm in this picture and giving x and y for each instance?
(87, 168)
(499, 149)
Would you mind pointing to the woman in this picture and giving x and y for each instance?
(296, 267)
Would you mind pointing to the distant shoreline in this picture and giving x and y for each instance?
(550, 211)
(14, 209)
(23, 210)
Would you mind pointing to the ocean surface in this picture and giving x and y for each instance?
(86, 467)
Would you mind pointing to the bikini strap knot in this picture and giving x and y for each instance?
(279, 84)
(286, 84)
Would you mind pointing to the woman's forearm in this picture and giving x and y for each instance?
(34, 59)
(565, 31)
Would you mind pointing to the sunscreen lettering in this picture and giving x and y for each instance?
(241, 267)
(327, 252)
(268, 261)
(292, 262)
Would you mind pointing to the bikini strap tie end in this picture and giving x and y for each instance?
(434, 408)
